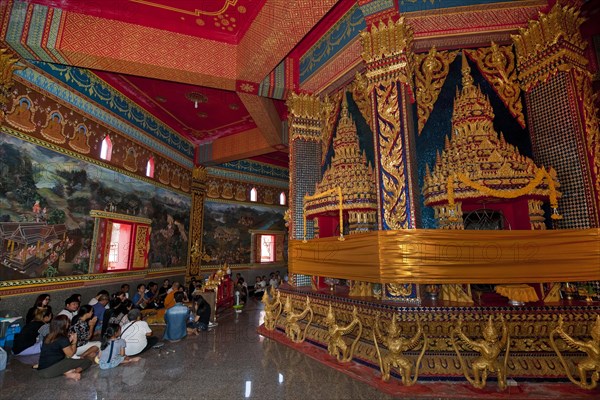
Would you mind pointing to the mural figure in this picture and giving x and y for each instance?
(21, 116)
(176, 179)
(227, 192)
(54, 128)
(80, 139)
(240, 193)
(164, 176)
(213, 189)
(268, 197)
(185, 183)
(130, 163)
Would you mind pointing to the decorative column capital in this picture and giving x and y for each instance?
(387, 51)
(200, 174)
(306, 116)
(549, 45)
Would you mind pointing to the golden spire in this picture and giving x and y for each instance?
(467, 79)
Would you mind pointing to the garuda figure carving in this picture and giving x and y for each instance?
(489, 348)
(590, 347)
(292, 328)
(336, 346)
(273, 308)
(396, 346)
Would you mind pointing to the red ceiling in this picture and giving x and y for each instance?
(220, 113)
(221, 20)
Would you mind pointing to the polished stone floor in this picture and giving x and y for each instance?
(230, 362)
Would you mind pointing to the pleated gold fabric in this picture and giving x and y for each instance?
(445, 256)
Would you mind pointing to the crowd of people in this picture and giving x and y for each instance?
(110, 329)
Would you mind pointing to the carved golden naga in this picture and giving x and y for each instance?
(336, 346)
(397, 345)
(590, 347)
(489, 348)
(292, 328)
(272, 308)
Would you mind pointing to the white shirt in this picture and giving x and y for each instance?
(134, 334)
(69, 314)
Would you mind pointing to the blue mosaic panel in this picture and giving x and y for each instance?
(422, 5)
(306, 156)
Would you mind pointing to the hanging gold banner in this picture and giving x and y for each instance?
(440, 256)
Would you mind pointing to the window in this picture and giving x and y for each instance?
(267, 248)
(106, 149)
(282, 198)
(253, 194)
(150, 168)
(118, 253)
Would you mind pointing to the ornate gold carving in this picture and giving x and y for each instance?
(591, 347)
(306, 117)
(489, 349)
(7, 68)
(195, 255)
(360, 93)
(476, 162)
(456, 293)
(336, 346)
(273, 308)
(361, 289)
(497, 64)
(349, 181)
(292, 328)
(396, 345)
(583, 79)
(549, 45)
(331, 108)
(387, 50)
(430, 75)
(399, 289)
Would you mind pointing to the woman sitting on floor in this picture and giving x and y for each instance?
(42, 301)
(26, 342)
(57, 350)
(201, 314)
(83, 325)
(113, 349)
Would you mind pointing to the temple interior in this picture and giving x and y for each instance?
(327, 199)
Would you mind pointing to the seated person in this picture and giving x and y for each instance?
(83, 325)
(170, 298)
(100, 309)
(259, 287)
(42, 301)
(242, 287)
(71, 306)
(139, 298)
(96, 298)
(26, 342)
(176, 319)
(201, 314)
(152, 298)
(137, 334)
(57, 350)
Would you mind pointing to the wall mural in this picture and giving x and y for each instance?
(45, 201)
(226, 229)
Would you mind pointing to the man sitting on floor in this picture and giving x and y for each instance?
(176, 319)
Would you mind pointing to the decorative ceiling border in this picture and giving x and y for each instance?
(47, 84)
(257, 168)
(247, 178)
(246, 203)
(91, 86)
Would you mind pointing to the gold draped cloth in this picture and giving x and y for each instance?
(452, 256)
(518, 292)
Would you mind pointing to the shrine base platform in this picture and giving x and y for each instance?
(531, 357)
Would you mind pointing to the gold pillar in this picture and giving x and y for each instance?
(306, 121)
(387, 51)
(553, 72)
(199, 177)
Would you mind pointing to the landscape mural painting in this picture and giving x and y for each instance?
(227, 237)
(45, 202)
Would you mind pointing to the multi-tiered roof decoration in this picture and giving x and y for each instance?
(349, 170)
(477, 162)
